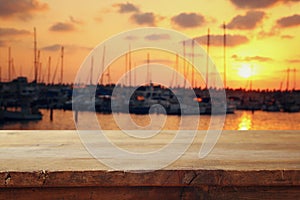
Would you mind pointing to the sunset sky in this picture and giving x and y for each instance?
(262, 34)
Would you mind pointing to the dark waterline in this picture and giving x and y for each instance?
(241, 120)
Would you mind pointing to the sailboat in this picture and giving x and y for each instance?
(24, 96)
(289, 103)
(231, 107)
(25, 113)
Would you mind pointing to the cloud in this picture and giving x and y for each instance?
(188, 20)
(74, 47)
(98, 19)
(253, 3)
(22, 9)
(289, 21)
(68, 26)
(6, 32)
(265, 34)
(259, 3)
(102, 12)
(126, 7)
(75, 21)
(217, 40)
(68, 47)
(251, 58)
(131, 37)
(287, 37)
(62, 27)
(246, 22)
(157, 37)
(147, 18)
(54, 47)
(2, 43)
(293, 61)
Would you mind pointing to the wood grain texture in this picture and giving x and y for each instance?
(243, 165)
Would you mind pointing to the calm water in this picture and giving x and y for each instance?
(241, 120)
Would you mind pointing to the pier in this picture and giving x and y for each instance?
(242, 165)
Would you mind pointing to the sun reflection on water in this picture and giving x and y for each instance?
(245, 121)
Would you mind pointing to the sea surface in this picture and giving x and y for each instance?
(241, 120)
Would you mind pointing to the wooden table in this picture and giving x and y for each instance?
(242, 165)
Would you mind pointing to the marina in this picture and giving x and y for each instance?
(21, 99)
(24, 101)
(58, 96)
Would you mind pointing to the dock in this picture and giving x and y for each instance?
(242, 165)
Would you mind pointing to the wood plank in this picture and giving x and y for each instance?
(243, 165)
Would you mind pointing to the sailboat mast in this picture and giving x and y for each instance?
(108, 75)
(40, 72)
(91, 73)
(126, 63)
(103, 60)
(225, 84)
(251, 78)
(193, 62)
(9, 63)
(148, 61)
(38, 66)
(62, 65)
(294, 78)
(184, 65)
(35, 57)
(13, 72)
(134, 74)
(129, 65)
(42, 75)
(280, 86)
(207, 61)
(288, 79)
(49, 69)
(176, 75)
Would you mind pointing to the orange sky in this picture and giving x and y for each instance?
(264, 34)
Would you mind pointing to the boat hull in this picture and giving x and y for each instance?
(15, 115)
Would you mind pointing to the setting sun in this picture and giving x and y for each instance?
(245, 71)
